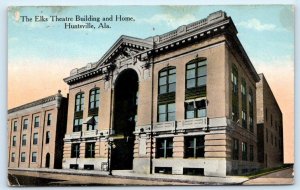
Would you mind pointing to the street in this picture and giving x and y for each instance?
(282, 177)
(22, 178)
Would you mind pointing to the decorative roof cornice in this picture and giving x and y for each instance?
(214, 24)
(35, 103)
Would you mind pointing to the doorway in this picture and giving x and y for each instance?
(125, 114)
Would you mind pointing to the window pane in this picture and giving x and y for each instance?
(162, 117)
(202, 81)
(191, 83)
(162, 81)
(190, 66)
(190, 114)
(163, 73)
(202, 113)
(162, 89)
(202, 71)
(91, 105)
(162, 109)
(97, 104)
(171, 107)
(172, 78)
(172, 71)
(190, 74)
(172, 87)
(200, 63)
(171, 116)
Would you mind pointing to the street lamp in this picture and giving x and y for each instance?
(111, 146)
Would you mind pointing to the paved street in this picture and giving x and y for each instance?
(44, 177)
(48, 177)
(281, 177)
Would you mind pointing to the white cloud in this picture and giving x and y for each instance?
(256, 24)
(169, 20)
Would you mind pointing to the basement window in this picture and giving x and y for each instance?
(163, 170)
(193, 171)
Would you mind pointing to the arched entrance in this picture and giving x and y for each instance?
(47, 165)
(125, 111)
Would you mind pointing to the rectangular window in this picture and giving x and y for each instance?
(23, 157)
(244, 104)
(15, 125)
(47, 137)
(75, 150)
(194, 146)
(37, 121)
(92, 124)
(251, 111)
(244, 119)
(23, 140)
(14, 141)
(34, 157)
(77, 125)
(235, 95)
(25, 124)
(164, 147)
(251, 153)
(35, 138)
(13, 157)
(244, 151)
(90, 150)
(235, 149)
(49, 119)
(195, 109)
(166, 112)
(267, 135)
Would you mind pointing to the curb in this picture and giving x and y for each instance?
(191, 182)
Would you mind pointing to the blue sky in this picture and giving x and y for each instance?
(266, 32)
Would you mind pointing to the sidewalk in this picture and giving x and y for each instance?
(129, 174)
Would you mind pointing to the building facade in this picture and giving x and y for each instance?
(35, 133)
(183, 102)
(269, 126)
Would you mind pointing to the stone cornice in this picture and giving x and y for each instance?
(215, 24)
(52, 98)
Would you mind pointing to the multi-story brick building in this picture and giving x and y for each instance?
(35, 133)
(183, 102)
(269, 126)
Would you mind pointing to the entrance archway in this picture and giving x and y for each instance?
(125, 111)
(47, 165)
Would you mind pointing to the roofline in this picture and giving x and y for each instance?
(34, 103)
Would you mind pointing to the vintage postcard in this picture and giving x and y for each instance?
(150, 95)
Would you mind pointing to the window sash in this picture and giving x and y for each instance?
(90, 150)
(164, 148)
(194, 147)
(167, 81)
(196, 74)
(75, 150)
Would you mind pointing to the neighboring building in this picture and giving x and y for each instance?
(269, 126)
(35, 133)
(183, 103)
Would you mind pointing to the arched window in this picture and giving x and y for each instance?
(79, 102)
(167, 80)
(94, 98)
(196, 73)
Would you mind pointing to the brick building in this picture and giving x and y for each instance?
(35, 133)
(269, 126)
(183, 102)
